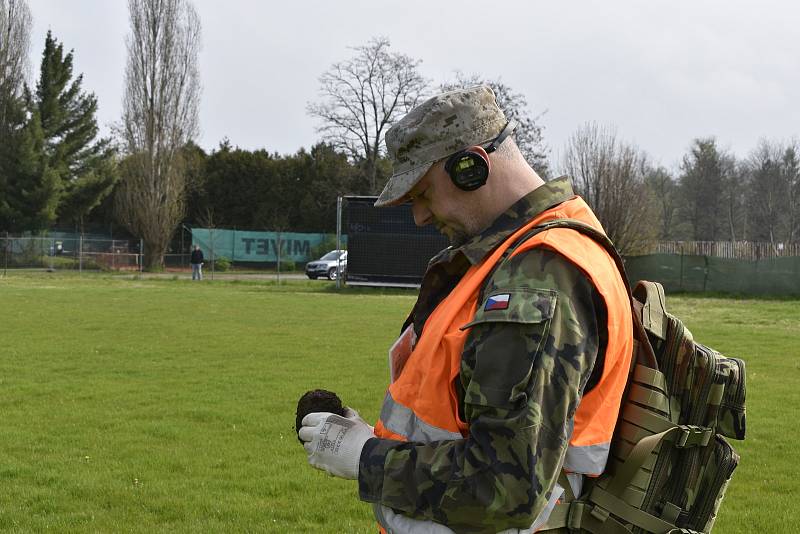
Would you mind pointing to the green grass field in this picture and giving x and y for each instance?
(168, 406)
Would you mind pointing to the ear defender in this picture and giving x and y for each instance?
(469, 169)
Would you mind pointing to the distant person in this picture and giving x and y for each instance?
(197, 263)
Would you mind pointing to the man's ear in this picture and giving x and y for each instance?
(477, 149)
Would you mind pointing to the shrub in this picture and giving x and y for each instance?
(288, 265)
(63, 263)
(222, 264)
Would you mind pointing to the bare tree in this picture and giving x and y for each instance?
(162, 93)
(705, 171)
(791, 173)
(770, 192)
(734, 196)
(363, 96)
(528, 134)
(15, 40)
(663, 190)
(610, 175)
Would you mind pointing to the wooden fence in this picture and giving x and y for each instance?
(740, 250)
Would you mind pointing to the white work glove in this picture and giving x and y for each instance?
(334, 443)
(353, 415)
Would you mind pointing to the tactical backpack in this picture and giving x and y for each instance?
(669, 464)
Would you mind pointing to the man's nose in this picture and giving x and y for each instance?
(422, 215)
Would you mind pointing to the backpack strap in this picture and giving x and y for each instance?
(643, 351)
(654, 307)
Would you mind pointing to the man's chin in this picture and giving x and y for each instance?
(445, 231)
(455, 237)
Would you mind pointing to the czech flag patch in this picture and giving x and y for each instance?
(497, 302)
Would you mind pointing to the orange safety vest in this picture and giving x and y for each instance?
(422, 403)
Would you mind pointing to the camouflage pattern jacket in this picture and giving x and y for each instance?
(501, 476)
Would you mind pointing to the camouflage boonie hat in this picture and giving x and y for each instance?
(439, 127)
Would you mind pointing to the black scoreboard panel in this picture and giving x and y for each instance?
(384, 246)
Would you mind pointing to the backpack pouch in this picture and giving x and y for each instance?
(728, 413)
(712, 485)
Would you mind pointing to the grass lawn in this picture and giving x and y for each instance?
(168, 406)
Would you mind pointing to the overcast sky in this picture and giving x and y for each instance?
(662, 72)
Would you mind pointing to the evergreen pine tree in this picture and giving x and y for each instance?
(13, 133)
(29, 189)
(84, 165)
(11, 121)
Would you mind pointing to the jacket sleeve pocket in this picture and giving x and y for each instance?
(509, 330)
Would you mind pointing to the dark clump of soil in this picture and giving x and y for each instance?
(317, 400)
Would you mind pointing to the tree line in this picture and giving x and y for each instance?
(713, 196)
(150, 176)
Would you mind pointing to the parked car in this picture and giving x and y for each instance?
(327, 264)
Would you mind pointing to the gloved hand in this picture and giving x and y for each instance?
(334, 443)
(353, 415)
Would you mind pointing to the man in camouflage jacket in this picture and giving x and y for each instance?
(519, 383)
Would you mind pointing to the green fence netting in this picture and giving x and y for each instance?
(776, 276)
(241, 245)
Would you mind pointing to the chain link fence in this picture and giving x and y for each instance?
(69, 253)
(243, 250)
(371, 241)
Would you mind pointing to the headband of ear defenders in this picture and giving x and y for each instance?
(507, 130)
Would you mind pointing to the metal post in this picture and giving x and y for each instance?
(339, 241)
(5, 259)
(76, 251)
(80, 252)
(141, 257)
(183, 250)
(278, 252)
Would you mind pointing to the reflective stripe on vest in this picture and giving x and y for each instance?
(422, 404)
(401, 421)
(587, 459)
